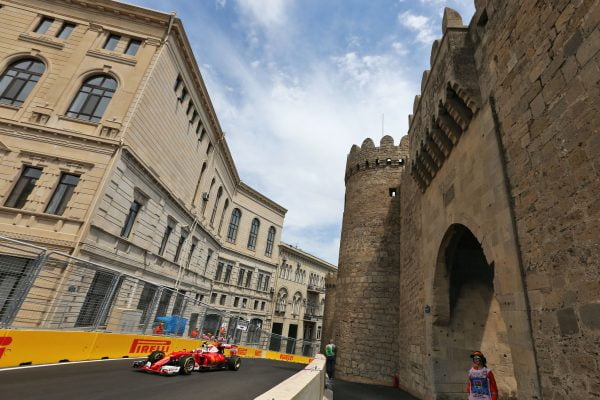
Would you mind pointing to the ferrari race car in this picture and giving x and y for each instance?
(208, 357)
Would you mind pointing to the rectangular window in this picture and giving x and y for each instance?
(99, 295)
(244, 303)
(213, 298)
(178, 83)
(44, 25)
(262, 306)
(189, 108)
(132, 47)
(148, 293)
(266, 283)
(222, 299)
(184, 95)
(192, 249)
(62, 194)
(182, 238)
(259, 282)
(208, 257)
(65, 30)
(178, 305)
(240, 280)
(14, 277)
(133, 212)
(165, 240)
(236, 302)
(24, 187)
(248, 279)
(255, 304)
(194, 117)
(163, 303)
(228, 273)
(112, 42)
(219, 271)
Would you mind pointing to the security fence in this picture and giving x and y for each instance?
(42, 289)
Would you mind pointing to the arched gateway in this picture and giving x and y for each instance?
(467, 316)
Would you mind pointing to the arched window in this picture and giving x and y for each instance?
(253, 234)
(93, 98)
(19, 79)
(270, 241)
(296, 303)
(281, 300)
(214, 211)
(206, 196)
(234, 224)
(225, 207)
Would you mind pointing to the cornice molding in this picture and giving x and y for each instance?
(284, 247)
(57, 137)
(82, 164)
(122, 10)
(111, 57)
(45, 41)
(39, 240)
(263, 199)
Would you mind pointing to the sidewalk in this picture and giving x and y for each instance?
(359, 391)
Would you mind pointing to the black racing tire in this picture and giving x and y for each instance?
(234, 363)
(186, 364)
(155, 356)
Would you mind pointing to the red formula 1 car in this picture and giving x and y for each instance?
(208, 357)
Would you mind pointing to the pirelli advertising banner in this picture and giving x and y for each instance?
(28, 347)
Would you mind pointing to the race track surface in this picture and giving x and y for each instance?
(115, 379)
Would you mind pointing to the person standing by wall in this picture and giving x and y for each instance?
(481, 384)
(330, 354)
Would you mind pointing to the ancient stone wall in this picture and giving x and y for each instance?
(367, 284)
(540, 63)
(498, 214)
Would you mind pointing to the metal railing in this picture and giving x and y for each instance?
(42, 289)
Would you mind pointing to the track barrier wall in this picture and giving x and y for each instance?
(308, 384)
(29, 347)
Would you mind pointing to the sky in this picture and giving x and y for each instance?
(295, 83)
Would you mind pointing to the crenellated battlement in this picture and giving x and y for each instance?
(370, 157)
(449, 99)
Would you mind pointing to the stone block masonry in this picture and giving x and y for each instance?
(490, 239)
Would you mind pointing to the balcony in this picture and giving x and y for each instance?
(312, 312)
(315, 289)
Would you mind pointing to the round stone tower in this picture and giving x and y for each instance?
(367, 289)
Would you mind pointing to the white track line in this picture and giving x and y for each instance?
(67, 363)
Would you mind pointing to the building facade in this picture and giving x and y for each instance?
(485, 233)
(111, 151)
(299, 301)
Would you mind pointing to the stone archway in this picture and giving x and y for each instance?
(467, 317)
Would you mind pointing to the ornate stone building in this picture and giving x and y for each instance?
(481, 230)
(111, 151)
(299, 301)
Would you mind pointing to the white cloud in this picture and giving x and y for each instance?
(400, 48)
(420, 24)
(291, 130)
(265, 12)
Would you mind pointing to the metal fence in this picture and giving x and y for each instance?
(42, 289)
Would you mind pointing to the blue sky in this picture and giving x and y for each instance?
(295, 83)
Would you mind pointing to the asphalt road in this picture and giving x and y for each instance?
(115, 379)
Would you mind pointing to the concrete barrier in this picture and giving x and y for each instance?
(308, 384)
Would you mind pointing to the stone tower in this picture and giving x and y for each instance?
(368, 276)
